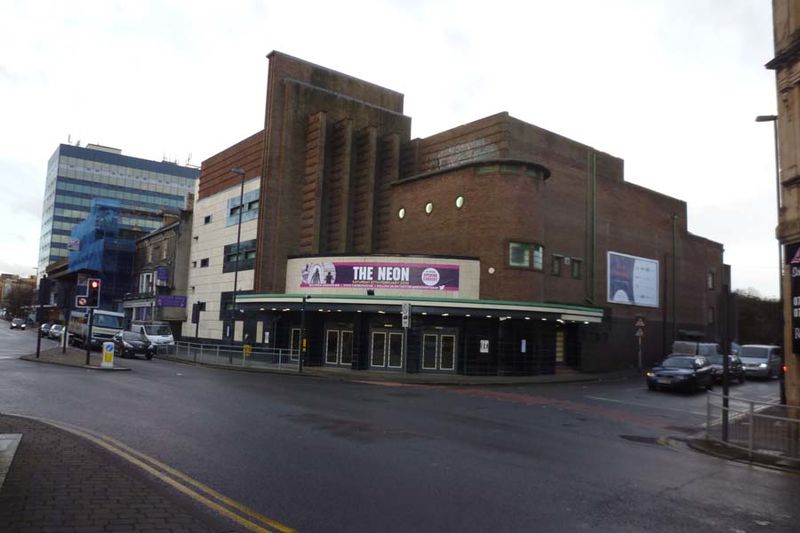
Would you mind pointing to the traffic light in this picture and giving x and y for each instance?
(92, 292)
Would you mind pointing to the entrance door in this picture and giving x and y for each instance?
(438, 351)
(386, 349)
(294, 344)
(339, 347)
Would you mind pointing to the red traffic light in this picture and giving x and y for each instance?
(94, 283)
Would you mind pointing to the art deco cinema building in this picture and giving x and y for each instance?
(514, 250)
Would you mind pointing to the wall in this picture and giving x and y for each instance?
(331, 150)
(206, 284)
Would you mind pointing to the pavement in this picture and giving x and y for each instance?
(73, 357)
(56, 479)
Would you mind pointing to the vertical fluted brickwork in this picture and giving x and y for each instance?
(313, 182)
(336, 198)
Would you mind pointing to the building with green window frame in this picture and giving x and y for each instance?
(76, 175)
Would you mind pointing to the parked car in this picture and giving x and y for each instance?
(681, 372)
(44, 329)
(17, 323)
(131, 343)
(735, 368)
(761, 360)
(55, 331)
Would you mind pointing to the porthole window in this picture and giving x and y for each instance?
(401, 214)
(459, 202)
(429, 208)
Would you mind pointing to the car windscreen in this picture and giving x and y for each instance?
(133, 336)
(158, 329)
(707, 349)
(754, 351)
(108, 321)
(715, 359)
(678, 362)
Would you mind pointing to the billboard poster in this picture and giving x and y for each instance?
(369, 275)
(632, 280)
(791, 253)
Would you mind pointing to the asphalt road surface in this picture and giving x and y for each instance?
(325, 455)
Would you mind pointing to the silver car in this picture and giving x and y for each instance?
(761, 360)
(55, 331)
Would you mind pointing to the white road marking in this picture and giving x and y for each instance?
(626, 402)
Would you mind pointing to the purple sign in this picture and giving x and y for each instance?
(416, 276)
(162, 274)
(170, 301)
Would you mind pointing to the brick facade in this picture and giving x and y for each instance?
(338, 166)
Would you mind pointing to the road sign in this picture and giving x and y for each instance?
(640, 332)
(639, 322)
(81, 301)
(108, 355)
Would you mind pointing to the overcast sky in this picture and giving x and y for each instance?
(670, 86)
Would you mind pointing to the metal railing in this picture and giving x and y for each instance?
(238, 356)
(757, 427)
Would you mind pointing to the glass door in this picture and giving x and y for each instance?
(386, 349)
(378, 351)
(332, 346)
(439, 351)
(447, 352)
(346, 348)
(339, 347)
(395, 349)
(294, 344)
(430, 343)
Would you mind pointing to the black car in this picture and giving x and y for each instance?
(17, 323)
(131, 343)
(735, 368)
(44, 329)
(681, 372)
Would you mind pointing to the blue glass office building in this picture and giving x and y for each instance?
(77, 175)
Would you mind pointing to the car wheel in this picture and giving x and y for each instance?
(650, 386)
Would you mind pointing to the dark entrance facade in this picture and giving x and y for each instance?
(476, 338)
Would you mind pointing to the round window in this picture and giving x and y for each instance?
(429, 208)
(459, 202)
(402, 213)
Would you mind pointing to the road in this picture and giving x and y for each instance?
(325, 455)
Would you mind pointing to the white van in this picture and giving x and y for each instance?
(159, 333)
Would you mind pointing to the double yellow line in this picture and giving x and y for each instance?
(203, 494)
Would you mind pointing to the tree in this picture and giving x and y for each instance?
(19, 298)
(759, 318)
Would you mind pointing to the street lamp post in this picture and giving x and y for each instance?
(232, 315)
(774, 120)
